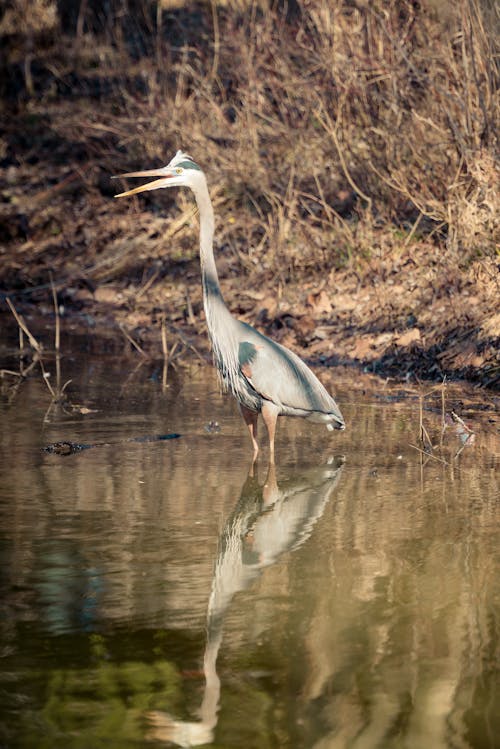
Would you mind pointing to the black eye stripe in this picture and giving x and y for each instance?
(187, 165)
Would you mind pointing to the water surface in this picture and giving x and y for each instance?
(169, 593)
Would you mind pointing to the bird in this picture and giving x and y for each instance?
(264, 376)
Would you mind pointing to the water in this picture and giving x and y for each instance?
(163, 592)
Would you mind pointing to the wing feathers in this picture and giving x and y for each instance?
(279, 375)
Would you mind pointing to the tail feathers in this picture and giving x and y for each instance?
(336, 425)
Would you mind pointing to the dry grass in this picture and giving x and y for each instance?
(310, 121)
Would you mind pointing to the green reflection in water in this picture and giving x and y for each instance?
(87, 706)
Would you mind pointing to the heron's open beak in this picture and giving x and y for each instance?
(164, 174)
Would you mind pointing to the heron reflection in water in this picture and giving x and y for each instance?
(264, 376)
(268, 521)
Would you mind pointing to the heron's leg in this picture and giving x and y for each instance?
(270, 416)
(251, 422)
(270, 490)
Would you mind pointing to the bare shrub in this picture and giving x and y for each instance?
(328, 127)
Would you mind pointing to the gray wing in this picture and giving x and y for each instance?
(279, 375)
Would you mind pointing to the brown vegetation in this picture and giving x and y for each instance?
(350, 147)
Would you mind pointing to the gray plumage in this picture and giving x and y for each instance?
(264, 376)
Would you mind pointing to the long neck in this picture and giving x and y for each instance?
(213, 302)
(222, 327)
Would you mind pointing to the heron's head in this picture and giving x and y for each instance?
(180, 172)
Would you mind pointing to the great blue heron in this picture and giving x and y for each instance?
(263, 375)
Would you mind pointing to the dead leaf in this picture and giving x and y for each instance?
(409, 336)
(304, 327)
(382, 340)
(320, 302)
(345, 302)
(256, 295)
(84, 410)
(362, 348)
(269, 303)
(108, 294)
(137, 319)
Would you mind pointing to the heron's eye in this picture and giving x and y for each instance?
(178, 171)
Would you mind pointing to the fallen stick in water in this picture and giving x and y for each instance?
(68, 448)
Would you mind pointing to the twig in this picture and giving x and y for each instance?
(424, 434)
(147, 285)
(57, 341)
(45, 377)
(189, 307)
(131, 376)
(443, 412)
(159, 23)
(25, 372)
(329, 126)
(189, 345)
(430, 455)
(34, 343)
(173, 349)
(413, 230)
(329, 210)
(65, 386)
(460, 421)
(464, 444)
(164, 345)
(215, 61)
(131, 340)
(49, 192)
